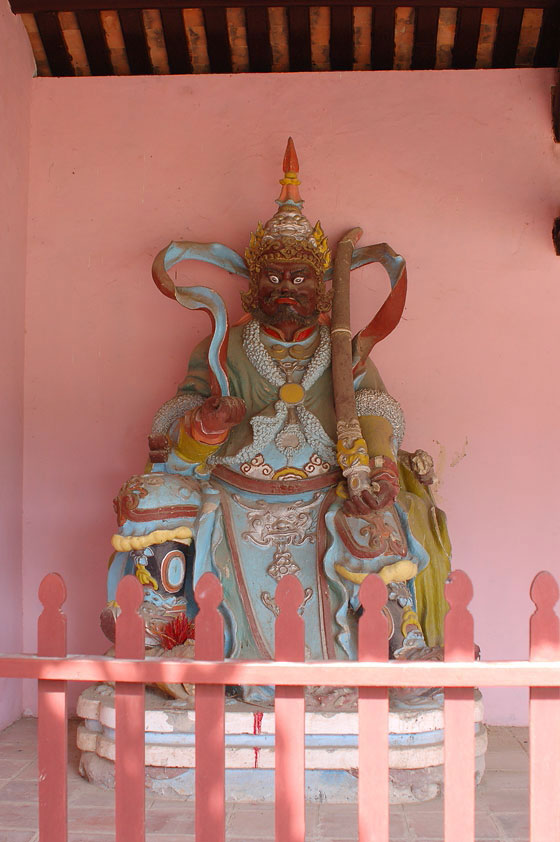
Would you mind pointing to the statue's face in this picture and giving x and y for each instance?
(287, 294)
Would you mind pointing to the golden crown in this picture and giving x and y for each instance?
(285, 247)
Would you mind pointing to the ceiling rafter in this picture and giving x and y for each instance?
(84, 37)
(19, 6)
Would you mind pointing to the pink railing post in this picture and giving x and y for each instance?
(52, 733)
(373, 710)
(459, 784)
(289, 715)
(129, 719)
(209, 707)
(544, 715)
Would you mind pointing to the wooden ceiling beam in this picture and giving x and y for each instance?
(217, 38)
(176, 41)
(59, 59)
(135, 41)
(382, 38)
(93, 36)
(546, 54)
(299, 38)
(467, 34)
(556, 130)
(21, 6)
(507, 38)
(556, 108)
(425, 38)
(258, 39)
(342, 38)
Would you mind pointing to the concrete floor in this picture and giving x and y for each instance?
(502, 802)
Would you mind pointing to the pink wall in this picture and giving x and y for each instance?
(16, 69)
(456, 170)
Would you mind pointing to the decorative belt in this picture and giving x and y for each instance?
(276, 486)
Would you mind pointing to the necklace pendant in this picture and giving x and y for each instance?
(291, 393)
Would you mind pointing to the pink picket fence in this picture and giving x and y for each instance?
(372, 674)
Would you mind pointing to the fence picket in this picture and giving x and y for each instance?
(544, 715)
(459, 802)
(289, 714)
(373, 710)
(52, 736)
(129, 719)
(209, 709)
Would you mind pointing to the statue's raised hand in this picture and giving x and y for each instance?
(217, 415)
(381, 493)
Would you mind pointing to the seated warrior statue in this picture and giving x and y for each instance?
(280, 454)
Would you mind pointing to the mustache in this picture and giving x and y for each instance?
(279, 295)
(285, 313)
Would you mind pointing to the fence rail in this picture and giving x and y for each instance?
(372, 674)
(332, 673)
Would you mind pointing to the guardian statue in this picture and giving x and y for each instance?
(281, 454)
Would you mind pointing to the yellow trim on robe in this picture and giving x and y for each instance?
(400, 571)
(126, 543)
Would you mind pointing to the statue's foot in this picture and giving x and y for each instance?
(254, 695)
(327, 699)
(419, 653)
(414, 696)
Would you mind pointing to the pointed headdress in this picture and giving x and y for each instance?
(289, 236)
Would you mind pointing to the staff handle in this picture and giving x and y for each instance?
(352, 453)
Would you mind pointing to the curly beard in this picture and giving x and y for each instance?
(284, 313)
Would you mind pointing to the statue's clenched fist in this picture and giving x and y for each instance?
(423, 466)
(382, 492)
(218, 415)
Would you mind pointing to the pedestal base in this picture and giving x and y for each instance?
(331, 755)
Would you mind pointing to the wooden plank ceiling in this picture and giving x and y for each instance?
(81, 38)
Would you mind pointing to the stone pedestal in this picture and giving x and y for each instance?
(331, 754)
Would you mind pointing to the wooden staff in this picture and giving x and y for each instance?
(352, 453)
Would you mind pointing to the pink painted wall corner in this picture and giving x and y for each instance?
(16, 71)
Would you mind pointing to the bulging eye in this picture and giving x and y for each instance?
(274, 279)
(299, 280)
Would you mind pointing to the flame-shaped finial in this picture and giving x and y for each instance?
(290, 183)
(290, 163)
